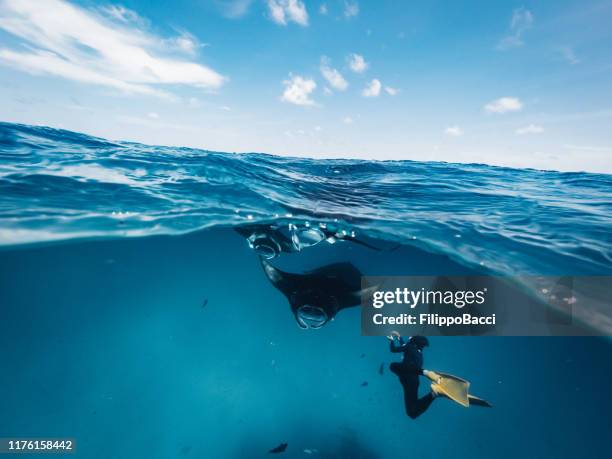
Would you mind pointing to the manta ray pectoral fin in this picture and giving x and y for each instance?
(272, 273)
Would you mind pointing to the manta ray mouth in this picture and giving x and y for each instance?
(311, 316)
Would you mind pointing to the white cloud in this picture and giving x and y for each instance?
(504, 105)
(121, 13)
(234, 9)
(333, 76)
(108, 47)
(185, 42)
(569, 55)
(522, 20)
(347, 120)
(323, 9)
(357, 63)
(391, 91)
(153, 115)
(285, 11)
(351, 9)
(372, 89)
(530, 129)
(298, 90)
(454, 131)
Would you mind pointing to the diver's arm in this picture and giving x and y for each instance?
(396, 348)
(392, 346)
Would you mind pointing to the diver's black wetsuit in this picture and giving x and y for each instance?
(408, 371)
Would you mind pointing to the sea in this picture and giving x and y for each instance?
(155, 302)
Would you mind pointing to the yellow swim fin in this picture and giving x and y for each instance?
(454, 388)
(477, 401)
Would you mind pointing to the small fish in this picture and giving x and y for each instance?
(381, 369)
(362, 356)
(363, 384)
(204, 303)
(279, 449)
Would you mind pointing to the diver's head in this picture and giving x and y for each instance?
(419, 341)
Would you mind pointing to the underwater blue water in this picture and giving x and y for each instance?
(135, 318)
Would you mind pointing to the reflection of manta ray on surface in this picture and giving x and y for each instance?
(317, 296)
(269, 241)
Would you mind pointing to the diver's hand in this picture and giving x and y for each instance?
(432, 376)
(394, 334)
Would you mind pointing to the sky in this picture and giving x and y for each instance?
(522, 84)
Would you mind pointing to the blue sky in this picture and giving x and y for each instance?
(525, 84)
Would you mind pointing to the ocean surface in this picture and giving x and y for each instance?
(139, 315)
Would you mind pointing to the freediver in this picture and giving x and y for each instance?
(409, 370)
(442, 384)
